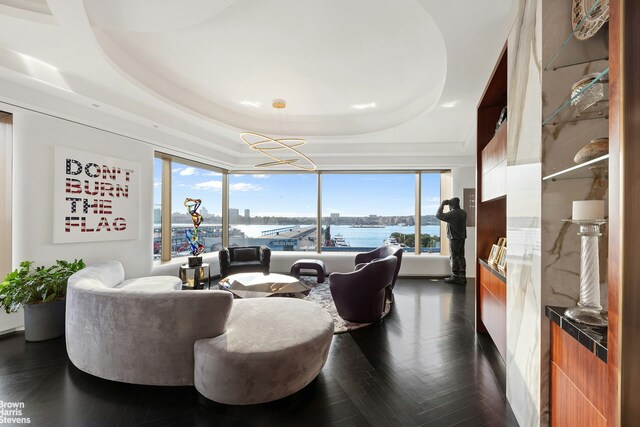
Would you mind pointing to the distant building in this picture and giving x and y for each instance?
(247, 216)
(335, 218)
(234, 215)
(204, 212)
(157, 217)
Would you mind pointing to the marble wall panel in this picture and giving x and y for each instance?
(524, 152)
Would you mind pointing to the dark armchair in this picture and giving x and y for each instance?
(382, 252)
(359, 296)
(247, 259)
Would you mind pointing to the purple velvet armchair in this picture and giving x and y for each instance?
(382, 252)
(359, 295)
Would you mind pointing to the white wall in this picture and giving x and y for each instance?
(35, 136)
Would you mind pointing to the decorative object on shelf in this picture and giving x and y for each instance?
(588, 16)
(267, 145)
(191, 234)
(493, 256)
(594, 96)
(496, 250)
(585, 210)
(589, 215)
(594, 149)
(502, 118)
(501, 264)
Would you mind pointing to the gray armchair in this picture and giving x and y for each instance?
(246, 259)
(359, 296)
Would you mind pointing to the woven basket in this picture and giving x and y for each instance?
(587, 19)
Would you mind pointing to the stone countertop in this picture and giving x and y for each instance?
(594, 338)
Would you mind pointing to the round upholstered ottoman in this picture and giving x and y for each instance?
(272, 348)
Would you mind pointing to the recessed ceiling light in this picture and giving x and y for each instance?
(364, 106)
(254, 104)
(450, 104)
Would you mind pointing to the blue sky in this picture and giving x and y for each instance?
(295, 194)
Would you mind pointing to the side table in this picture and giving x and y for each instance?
(195, 277)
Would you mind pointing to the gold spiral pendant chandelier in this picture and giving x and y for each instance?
(272, 147)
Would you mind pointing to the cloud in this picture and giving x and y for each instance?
(157, 183)
(188, 171)
(208, 186)
(261, 176)
(244, 186)
(213, 174)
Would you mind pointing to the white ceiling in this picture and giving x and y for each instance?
(369, 83)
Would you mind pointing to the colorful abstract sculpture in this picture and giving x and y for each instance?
(192, 206)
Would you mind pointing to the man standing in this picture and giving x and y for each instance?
(456, 220)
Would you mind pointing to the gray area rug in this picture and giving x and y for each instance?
(321, 294)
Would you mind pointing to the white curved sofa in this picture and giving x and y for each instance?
(139, 331)
(143, 331)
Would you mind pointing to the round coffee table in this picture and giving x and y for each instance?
(256, 285)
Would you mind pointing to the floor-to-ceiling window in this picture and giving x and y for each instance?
(361, 211)
(276, 210)
(186, 180)
(429, 203)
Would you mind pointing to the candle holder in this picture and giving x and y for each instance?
(588, 310)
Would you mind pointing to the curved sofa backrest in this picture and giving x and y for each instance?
(381, 270)
(105, 274)
(138, 336)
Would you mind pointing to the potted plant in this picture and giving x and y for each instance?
(41, 291)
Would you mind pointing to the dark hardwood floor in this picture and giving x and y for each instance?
(422, 365)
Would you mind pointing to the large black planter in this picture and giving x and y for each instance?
(44, 321)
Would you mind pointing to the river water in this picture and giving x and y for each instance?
(356, 237)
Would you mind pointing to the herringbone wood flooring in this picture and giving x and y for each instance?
(422, 365)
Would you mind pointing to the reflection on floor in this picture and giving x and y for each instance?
(422, 365)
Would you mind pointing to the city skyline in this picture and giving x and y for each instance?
(284, 195)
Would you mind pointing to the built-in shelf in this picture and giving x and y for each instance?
(581, 171)
(567, 112)
(570, 53)
(492, 268)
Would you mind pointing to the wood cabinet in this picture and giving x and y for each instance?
(579, 381)
(493, 306)
(491, 206)
(494, 166)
